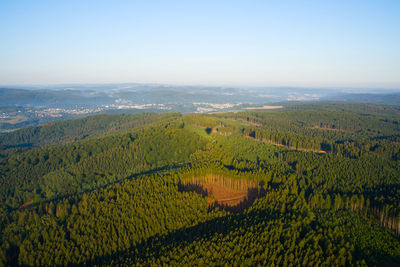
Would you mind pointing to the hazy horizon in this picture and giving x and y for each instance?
(343, 88)
(346, 44)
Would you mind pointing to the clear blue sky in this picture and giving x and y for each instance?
(295, 43)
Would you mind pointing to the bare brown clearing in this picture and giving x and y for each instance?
(227, 193)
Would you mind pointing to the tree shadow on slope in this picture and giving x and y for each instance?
(155, 245)
(95, 188)
(158, 245)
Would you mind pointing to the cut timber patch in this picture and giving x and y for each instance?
(230, 194)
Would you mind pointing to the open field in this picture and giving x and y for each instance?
(14, 120)
(264, 107)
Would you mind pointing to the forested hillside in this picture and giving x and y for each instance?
(78, 129)
(312, 185)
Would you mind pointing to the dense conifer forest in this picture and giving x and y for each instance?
(313, 184)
